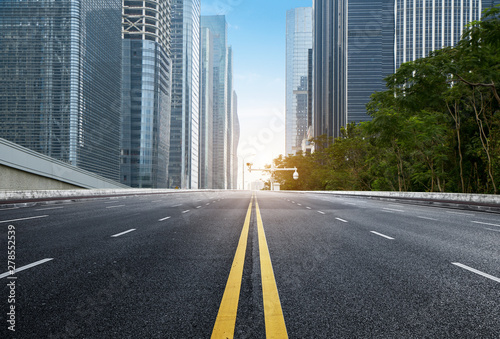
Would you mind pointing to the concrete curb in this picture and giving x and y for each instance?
(13, 199)
(473, 202)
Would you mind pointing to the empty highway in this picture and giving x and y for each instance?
(252, 264)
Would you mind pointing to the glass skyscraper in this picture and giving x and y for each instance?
(206, 108)
(357, 43)
(298, 43)
(423, 26)
(60, 80)
(217, 25)
(146, 93)
(184, 126)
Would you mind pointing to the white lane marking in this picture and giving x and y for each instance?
(8, 209)
(392, 209)
(485, 223)
(382, 235)
(36, 263)
(122, 233)
(460, 213)
(491, 229)
(20, 219)
(109, 202)
(207, 203)
(177, 205)
(321, 212)
(157, 201)
(486, 275)
(48, 208)
(308, 208)
(426, 218)
(115, 206)
(198, 206)
(350, 203)
(299, 204)
(339, 219)
(163, 219)
(186, 211)
(293, 202)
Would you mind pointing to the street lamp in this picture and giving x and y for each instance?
(243, 169)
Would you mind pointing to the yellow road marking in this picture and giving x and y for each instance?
(273, 314)
(226, 318)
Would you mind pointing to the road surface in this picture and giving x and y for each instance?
(252, 264)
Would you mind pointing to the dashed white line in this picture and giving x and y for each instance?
(157, 201)
(163, 219)
(117, 206)
(426, 218)
(321, 212)
(339, 219)
(485, 223)
(20, 219)
(177, 205)
(122, 233)
(308, 208)
(36, 263)
(382, 235)
(392, 209)
(491, 229)
(207, 203)
(299, 204)
(450, 212)
(48, 208)
(186, 211)
(198, 206)
(486, 275)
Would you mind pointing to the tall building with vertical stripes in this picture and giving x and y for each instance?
(60, 80)
(184, 122)
(357, 43)
(146, 93)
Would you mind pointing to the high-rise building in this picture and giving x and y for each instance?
(298, 44)
(206, 108)
(230, 118)
(146, 93)
(235, 142)
(184, 127)
(424, 26)
(218, 27)
(60, 80)
(357, 43)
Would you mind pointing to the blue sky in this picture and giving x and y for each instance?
(257, 33)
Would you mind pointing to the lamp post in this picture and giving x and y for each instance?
(272, 170)
(243, 169)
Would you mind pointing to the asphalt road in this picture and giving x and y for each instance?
(158, 266)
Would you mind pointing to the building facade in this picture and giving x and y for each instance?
(218, 27)
(235, 142)
(145, 93)
(357, 43)
(60, 80)
(206, 108)
(298, 44)
(184, 126)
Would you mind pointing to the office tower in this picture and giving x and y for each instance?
(184, 127)
(206, 108)
(236, 140)
(60, 80)
(298, 44)
(424, 26)
(350, 64)
(370, 53)
(329, 66)
(146, 93)
(229, 141)
(218, 27)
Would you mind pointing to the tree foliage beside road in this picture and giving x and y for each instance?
(436, 128)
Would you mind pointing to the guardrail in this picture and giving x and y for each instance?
(478, 202)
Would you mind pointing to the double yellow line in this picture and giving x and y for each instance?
(273, 315)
